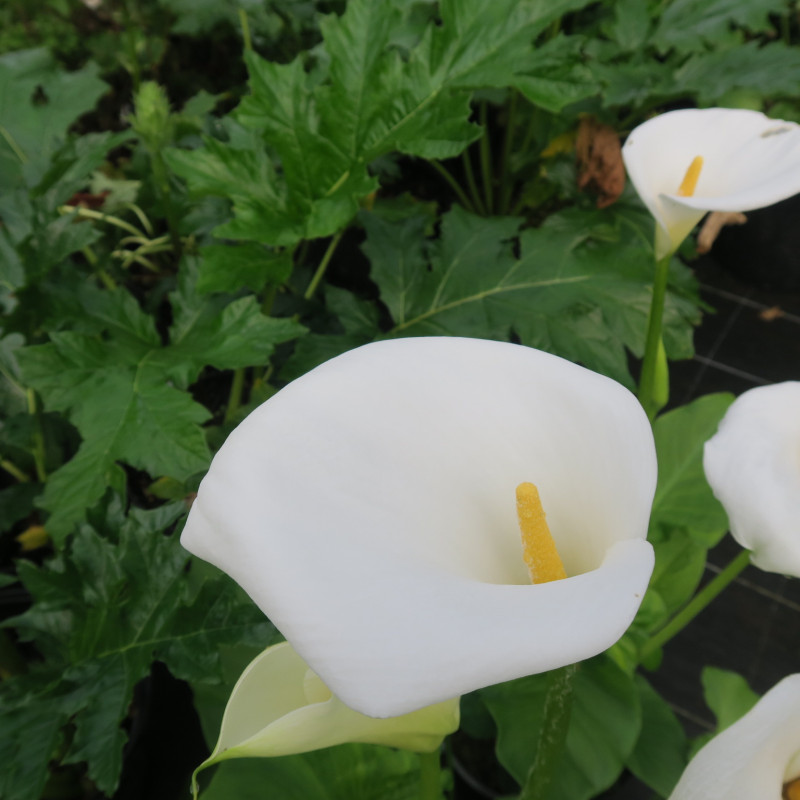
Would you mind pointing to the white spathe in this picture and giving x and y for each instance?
(369, 510)
(754, 757)
(753, 466)
(749, 161)
(280, 707)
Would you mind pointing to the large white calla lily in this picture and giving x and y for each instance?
(753, 466)
(753, 758)
(369, 509)
(280, 707)
(749, 161)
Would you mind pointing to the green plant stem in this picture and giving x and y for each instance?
(486, 159)
(268, 300)
(13, 470)
(38, 436)
(473, 186)
(107, 280)
(18, 152)
(654, 323)
(430, 784)
(130, 45)
(708, 593)
(248, 41)
(146, 224)
(162, 181)
(88, 213)
(235, 394)
(530, 130)
(323, 265)
(454, 185)
(553, 736)
(504, 195)
(129, 256)
(11, 662)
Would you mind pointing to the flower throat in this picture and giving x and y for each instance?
(538, 548)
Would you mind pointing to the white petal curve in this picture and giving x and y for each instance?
(271, 713)
(368, 509)
(753, 466)
(752, 758)
(750, 161)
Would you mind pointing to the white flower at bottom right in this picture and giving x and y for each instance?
(753, 465)
(756, 758)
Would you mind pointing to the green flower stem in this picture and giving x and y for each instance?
(38, 436)
(323, 265)
(13, 470)
(235, 394)
(486, 159)
(430, 783)
(553, 736)
(246, 38)
(647, 379)
(504, 197)
(695, 605)
(454, 185)
(473, 186)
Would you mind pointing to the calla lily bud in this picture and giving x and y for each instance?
(685, 163)
(756, 757)
(280, 707)
(370, 509)
(753, 466)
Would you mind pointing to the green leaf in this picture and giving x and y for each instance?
(324, 132)
(346, 772)
(120, 389)
(226, 268)
(661, 751)
(576, 289)
(209, 332)
(603, 730)
(631, 25)
(683, 497)
(773, 70)
(38, 102)
(555, 76)
(28, 739)
(103, 611)
(16, 503)
(727, 694)
(680, 562)
(202, 16)
(688, 25)
(70, 167)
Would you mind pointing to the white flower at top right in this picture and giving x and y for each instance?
(749, 161)
(753, 466)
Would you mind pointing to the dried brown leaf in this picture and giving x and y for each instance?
(600, 164)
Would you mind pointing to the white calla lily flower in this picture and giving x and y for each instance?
(755, 757)
(369, 510)
(753, 465)
(280, 707)
(748, 161)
